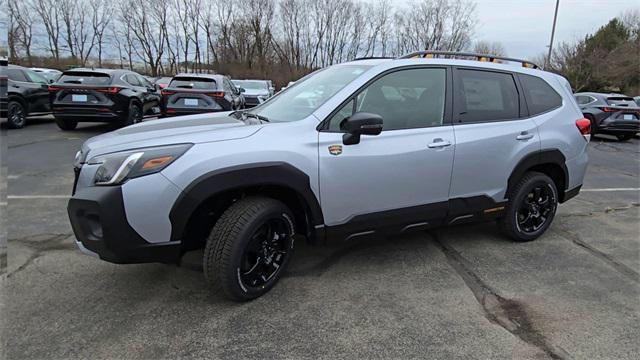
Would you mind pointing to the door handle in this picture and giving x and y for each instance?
(438, 143)
(525, 135)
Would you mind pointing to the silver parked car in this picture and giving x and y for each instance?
(255, 91)
(353, 151)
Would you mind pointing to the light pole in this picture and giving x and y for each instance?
(553, 32)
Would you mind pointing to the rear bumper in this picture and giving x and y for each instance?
(85, 113)
(99, 223)
(189, 111)
(615, 127)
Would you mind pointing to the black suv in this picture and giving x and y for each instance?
(200, 93)
(102, 95)
(26, 95)
(611, 114)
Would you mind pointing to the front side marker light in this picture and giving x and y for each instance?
(152, 164)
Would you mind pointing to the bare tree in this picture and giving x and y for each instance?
(102, 11)
(49, 14)
(489, 48)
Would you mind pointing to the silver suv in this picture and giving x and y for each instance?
(366, 148)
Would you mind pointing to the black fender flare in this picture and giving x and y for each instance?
(242, 176)
(543, 157)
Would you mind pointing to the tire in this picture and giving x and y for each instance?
(239, 258)
(16, 115)
(624, 137)
(593, 123)
(527, 218)
(66, 124)
(134, 115)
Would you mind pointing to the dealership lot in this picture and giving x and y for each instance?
(451, 292)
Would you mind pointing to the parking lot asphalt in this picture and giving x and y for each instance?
(458, 292)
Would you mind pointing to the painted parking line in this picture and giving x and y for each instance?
(31, 197)
(610, 189)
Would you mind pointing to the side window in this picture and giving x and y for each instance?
(581, 100)
(226, 86)
(132, 80)
(144, 82)
(486, 96)
(405, 99)
(16, 75)
(540, 96)
(35, 77)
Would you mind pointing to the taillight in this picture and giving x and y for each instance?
(110, 90)
(167, 92)
(54, 88)
(608, 109)
(584, 126)
(216, 94)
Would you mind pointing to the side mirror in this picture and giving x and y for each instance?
(360, 123)
(241, 89)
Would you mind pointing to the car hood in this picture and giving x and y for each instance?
(255, 92)
(195, 129)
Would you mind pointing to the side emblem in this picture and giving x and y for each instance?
(335, 149)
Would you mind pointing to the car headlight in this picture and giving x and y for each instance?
(117, 167)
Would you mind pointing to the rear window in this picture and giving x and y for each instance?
(85, 78)
(541, 97)
(620, 101)
(193, 83)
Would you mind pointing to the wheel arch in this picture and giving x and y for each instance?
(549, 162)
(21, 100)
(203, 201)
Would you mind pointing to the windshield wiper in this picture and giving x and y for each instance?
(256, 116)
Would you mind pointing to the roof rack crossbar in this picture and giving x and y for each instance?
(479, 57)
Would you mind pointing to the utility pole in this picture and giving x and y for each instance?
(553, 32)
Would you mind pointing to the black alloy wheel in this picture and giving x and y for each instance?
(249, 247)
(531, 207)
(536, 209)
(17, 116)
(264, 255)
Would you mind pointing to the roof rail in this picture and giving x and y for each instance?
(478, 57)
(372, 58)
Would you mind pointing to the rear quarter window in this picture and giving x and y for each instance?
(193, 83)
(85, 78)
(540, 96)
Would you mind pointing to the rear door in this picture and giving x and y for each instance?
(492, 131)
(401, 177)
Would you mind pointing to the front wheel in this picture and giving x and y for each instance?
(16, 115)
(249, 247)
(531, 207)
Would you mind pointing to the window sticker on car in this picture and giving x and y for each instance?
(79, 98)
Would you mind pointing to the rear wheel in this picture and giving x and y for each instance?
(66, 124)
(249, 247)
(531, 207)
(16, 115)
(134, 115)
(624, 137)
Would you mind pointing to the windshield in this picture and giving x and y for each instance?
(302, 99)
(249, 84)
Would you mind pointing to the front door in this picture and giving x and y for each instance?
(397, 179)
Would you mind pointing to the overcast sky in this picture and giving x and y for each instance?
(524, 26)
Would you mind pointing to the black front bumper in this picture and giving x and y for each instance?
(99, 222)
